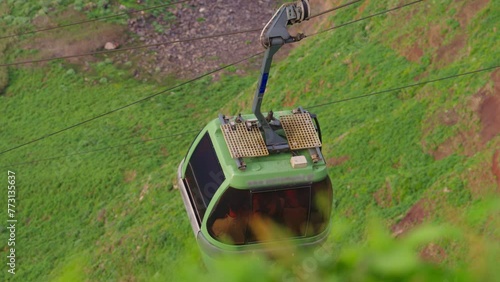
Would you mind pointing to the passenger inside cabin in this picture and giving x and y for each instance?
(294, 213)
(232, 218)
(268, 205)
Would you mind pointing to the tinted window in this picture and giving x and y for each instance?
(286, 211)
(242, 217)
(321, 206)
(203, 175)
(229, 221)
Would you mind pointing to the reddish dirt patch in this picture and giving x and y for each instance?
(414, 53)
(76, 40)
(469, 10)
(483, 108)
(290, 100)
(432, 36)
(489, 111)
(490, 118)
(337, 161)
(362, 8)
(384, 196)
(480, 181)
(468, 141)
(415, 216)
(449, 53)
(495, 167)
(495, 76)
(421, 76)
(449, 118)
(435, 37)
(433, 253)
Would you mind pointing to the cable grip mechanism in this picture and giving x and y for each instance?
(275, 31)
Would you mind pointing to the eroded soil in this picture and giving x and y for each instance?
(484, 106)
(197, 18)
(415, 216)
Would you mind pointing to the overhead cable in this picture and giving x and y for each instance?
(335, 8)
(308, 107)
(128, 105)
(365, 18)
(161, 43)
(403, 87)
(131, 48)
(92, 20)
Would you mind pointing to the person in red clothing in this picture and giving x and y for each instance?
(232, 223)
(232, 227)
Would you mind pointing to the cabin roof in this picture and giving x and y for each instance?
(266, 169)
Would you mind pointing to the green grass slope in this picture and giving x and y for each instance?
(421, 155)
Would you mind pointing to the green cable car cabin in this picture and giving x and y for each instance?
(248, 181)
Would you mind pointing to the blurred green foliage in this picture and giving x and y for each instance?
(380, 258)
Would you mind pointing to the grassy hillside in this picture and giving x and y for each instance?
(427, 155)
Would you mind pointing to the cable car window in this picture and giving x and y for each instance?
(241, 217)
(203, 175)
(228, 222)
(279, 214)
(321, 206)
